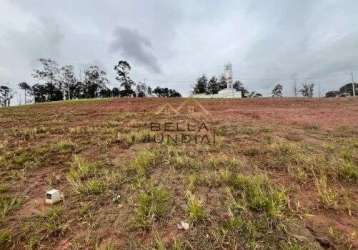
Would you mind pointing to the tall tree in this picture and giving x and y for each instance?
(222, 83)
(53, 93)
(68, 81)
(27, 88)
(122, 70)
(95, 81)
(115, 92)
(307, 89)
(105, 92)
(6, 94)
(213, 86)
(78, 90)
(141, 90)
(150, 91)
(239, 86)
(49, 75)
(39, 92)
(277, 91)
(201, 85)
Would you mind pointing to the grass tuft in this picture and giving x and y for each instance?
(5, 239)
(153, 205)
(8, 204)
(258, 194)
(195, 208)
(327, 196)
(85, 178)
(64, 146)
(348, 171)
(143, 161)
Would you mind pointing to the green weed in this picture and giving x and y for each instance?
(93, 187)
(5, 239)
(153, 205)
(8, 204)
(64, 146)
(327, 196)
(84, 177)
(49, 225)
(81, 169)
(348, 171)
(195, 208)
(143, 161)
(258, 194)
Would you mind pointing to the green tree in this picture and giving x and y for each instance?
(239, 86)
(307, 89)
(115, 92)
(122, 70)
(6, 94)
(27, 89)
(213, 86)
(348, 89)
(95, 81)
(165, 92)
(222, 83)
(201, 85)
(277, 91)
(49, 73)
(49, 76)
(68, 81)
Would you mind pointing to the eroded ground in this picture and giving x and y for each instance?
(282, 174)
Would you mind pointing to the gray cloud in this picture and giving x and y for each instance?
(266, 41)
(135, 46)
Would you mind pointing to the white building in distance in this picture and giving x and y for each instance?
(228, 92)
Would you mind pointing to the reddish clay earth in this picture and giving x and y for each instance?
(306, 148)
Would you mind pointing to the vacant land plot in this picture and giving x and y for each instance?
(249, 174)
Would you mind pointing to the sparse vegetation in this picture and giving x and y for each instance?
(7, 205)
(195, 208)
(256, 193)
(153, 205)
(269, 182)
(327, 196)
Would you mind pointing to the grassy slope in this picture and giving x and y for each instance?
(268, 182)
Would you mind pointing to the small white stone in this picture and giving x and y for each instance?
(183, 225)
(116, 198)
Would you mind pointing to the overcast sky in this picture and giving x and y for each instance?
(171, 43)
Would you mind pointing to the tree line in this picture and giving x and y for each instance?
(55, 83)
(306, 90)
(345, 90)
(212, 86)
